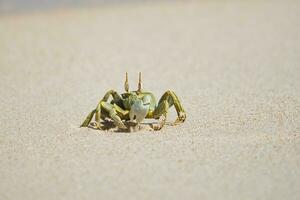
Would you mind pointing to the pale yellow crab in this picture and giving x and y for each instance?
(135, 106)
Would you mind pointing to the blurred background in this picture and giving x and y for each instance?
(233, 64)
(15, 6)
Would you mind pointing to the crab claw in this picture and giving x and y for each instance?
(139, 109)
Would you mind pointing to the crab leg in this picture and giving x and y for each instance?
(113, 114)
(116, 97)
(124, 114)
(88, 119)
(172, 99)
(161, 110)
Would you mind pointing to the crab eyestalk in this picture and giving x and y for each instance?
(140, 83)
(126, 85)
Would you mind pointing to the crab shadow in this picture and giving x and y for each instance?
(110, 126)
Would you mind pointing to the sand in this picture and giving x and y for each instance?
(235, 66)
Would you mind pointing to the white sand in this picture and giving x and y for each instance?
(236, 67)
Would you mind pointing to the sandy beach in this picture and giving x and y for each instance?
(234, 65)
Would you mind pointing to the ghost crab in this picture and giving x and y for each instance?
(135, 106)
